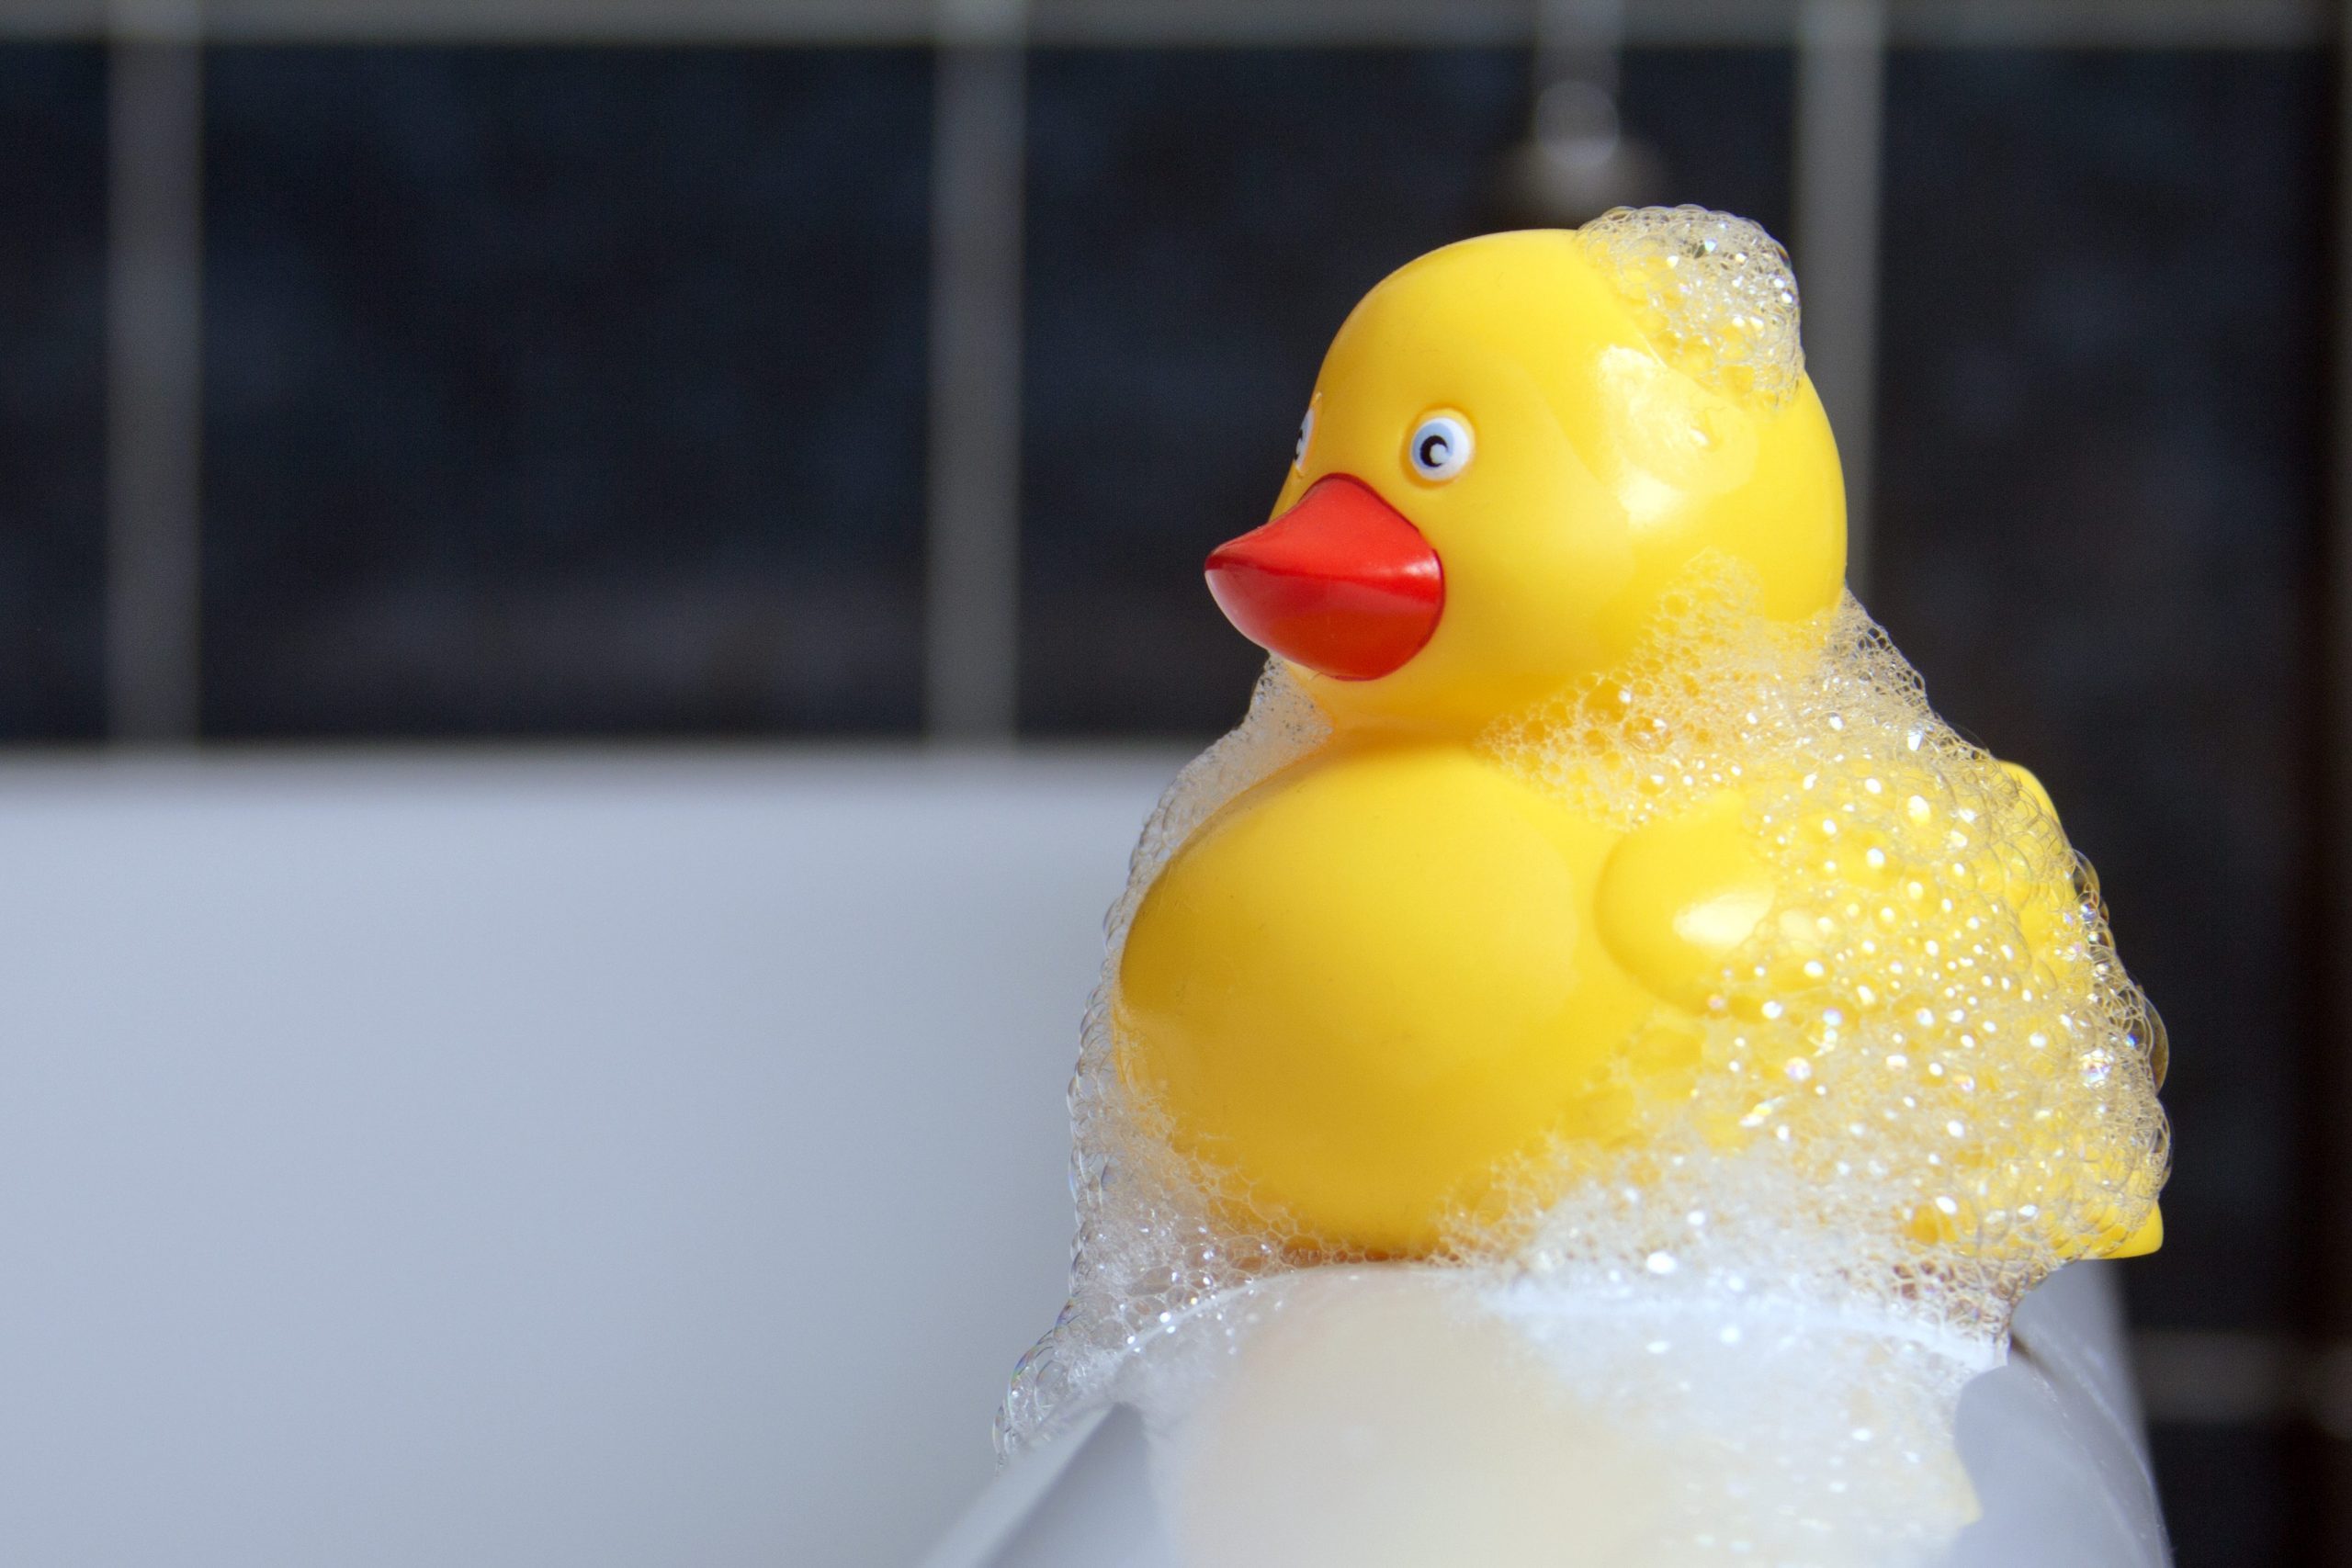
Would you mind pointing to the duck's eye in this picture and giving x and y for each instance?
(1440, 448)
(1306, 434)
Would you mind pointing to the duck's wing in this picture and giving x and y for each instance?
(1679, 896)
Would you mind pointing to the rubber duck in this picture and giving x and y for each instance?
(1370, 983)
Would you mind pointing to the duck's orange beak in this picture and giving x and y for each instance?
(1342, 582)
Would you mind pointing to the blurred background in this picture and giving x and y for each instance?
(736, 474)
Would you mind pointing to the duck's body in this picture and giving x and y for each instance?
(1397, 971)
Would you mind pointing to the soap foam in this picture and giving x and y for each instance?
(1714, 293)
(1925, 1079)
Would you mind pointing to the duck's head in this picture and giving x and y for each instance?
(1517, 445)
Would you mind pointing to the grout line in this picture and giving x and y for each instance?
(972, 594)
(154, 333)
(1841, 122)
(2041, 24)
(2325, 1173)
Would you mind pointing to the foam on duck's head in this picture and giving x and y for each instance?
(1569, 419)
(1714, 293)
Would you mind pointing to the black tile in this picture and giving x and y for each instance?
(2230, 1495)
(1721, 121)
(564, 390)
(52, 405)
(2100, 375)
(1200, 221)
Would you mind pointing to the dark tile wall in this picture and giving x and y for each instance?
(2102, 347)
(1199, 223)
(563, 390)
(52, 403)
(2234, 1497)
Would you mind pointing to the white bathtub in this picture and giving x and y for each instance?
(573, 1160)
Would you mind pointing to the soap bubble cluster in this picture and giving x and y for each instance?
(1923, 1081)
(1928, 1056)
(1716, 293)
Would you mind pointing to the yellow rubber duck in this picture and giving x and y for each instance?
(1369, 983)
